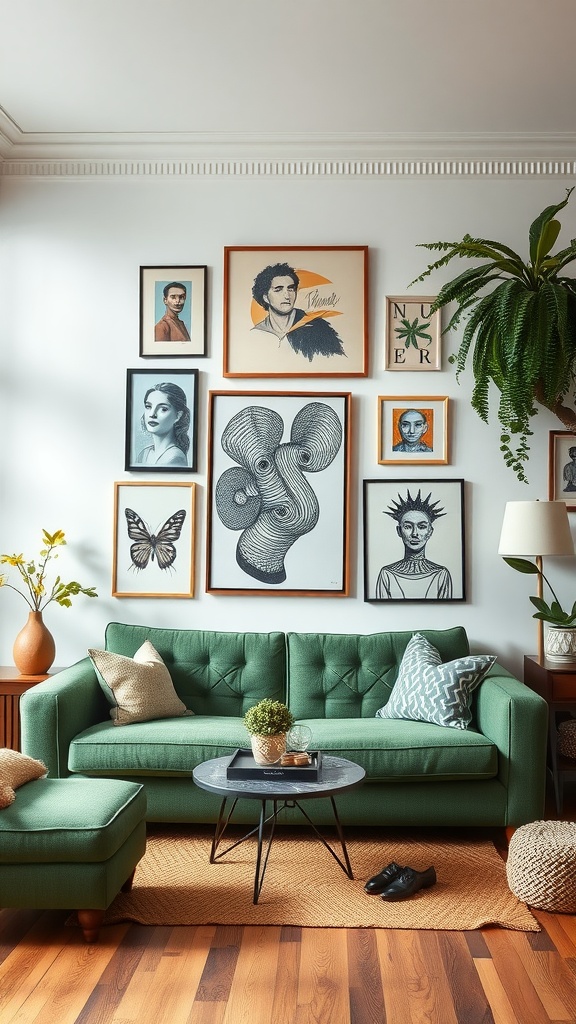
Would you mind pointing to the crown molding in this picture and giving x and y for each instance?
(240, 154)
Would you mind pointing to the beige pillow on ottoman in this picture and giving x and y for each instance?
(15, 770)
(141, 686)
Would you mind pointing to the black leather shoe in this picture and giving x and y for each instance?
(376, 885)
(407, 883)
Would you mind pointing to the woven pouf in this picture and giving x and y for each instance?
(541, 865)
(567, 738)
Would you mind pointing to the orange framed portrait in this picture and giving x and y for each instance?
(413, 429)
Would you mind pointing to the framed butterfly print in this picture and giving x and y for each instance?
(153, 540)
(161, 421)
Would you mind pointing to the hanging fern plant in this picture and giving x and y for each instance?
(521, 326)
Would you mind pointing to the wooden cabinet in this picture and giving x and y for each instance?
(556, 683)
(12, 686)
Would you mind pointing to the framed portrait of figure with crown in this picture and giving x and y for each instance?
(414, 540)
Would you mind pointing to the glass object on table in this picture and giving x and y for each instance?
(299, 738)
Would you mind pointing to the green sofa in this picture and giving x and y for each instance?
(492, 773)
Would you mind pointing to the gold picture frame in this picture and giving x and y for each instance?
(154, 539)
(562, 468)
(413, 430)
(413, 336)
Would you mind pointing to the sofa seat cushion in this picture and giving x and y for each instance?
(168, 746)
(391, 750)
(70, 820)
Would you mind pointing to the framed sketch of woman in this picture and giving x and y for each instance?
(414, 540)
(161, 421)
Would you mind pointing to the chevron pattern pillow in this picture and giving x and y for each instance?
(428, 690)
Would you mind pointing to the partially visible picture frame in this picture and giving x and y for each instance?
(278, 494)
(562, 468)
(154, 539)
(414, 547)
(173, 311)
(161, 421)
(296, 311)
(413, 335)
(413, 429)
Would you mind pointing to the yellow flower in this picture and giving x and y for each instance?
(12, 559)
(35, 593)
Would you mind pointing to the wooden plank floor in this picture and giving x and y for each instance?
(275, 975)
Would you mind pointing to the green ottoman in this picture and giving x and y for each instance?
(71, 844)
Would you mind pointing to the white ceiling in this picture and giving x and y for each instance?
(116, 70)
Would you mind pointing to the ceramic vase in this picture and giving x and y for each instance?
(560, 643)
(34, 647)
(268, 749)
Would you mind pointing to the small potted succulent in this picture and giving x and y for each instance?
(268, 722)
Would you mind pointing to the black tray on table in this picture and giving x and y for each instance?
(243, 766)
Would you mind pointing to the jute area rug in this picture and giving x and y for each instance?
(176, 885)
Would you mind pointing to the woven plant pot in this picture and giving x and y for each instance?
(560, 643)
(268, 749)
(567, 738)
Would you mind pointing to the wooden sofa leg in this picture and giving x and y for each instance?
(90, 921)
(128, 883)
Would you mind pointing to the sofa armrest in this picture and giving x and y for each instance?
(516, 720)
(55, 711)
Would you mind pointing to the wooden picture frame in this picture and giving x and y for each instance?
(278, 493)
(413, 430)
(173, 311)
(562, 468)
(413, 336)
(161, 421)
(154, 539)
(426, 518)
(296, 311)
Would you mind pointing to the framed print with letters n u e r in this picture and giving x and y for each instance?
(413, 337)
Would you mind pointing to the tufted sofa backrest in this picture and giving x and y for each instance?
(338, 675)
(214, 673)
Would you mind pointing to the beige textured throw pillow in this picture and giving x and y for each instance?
(15, 770)
(142, 685)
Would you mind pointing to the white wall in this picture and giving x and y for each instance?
(70, 254)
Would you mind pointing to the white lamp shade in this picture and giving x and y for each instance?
(533, 528)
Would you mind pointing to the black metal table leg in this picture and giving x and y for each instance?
(345, 864)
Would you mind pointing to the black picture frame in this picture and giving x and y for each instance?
(142, 448)
(432, 512)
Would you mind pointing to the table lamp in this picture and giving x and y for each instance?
(531, 529)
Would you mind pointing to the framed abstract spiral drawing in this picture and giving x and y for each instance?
(278, 493)
(153, 540)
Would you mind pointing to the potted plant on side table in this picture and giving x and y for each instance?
(560, 640)
(268, 722)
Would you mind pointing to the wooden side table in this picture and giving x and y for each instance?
(12, 686)
(556, 682)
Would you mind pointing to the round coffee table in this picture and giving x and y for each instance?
(338, 775)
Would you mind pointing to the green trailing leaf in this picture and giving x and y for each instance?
(519, 327)
(552, 613)
(522, 565)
